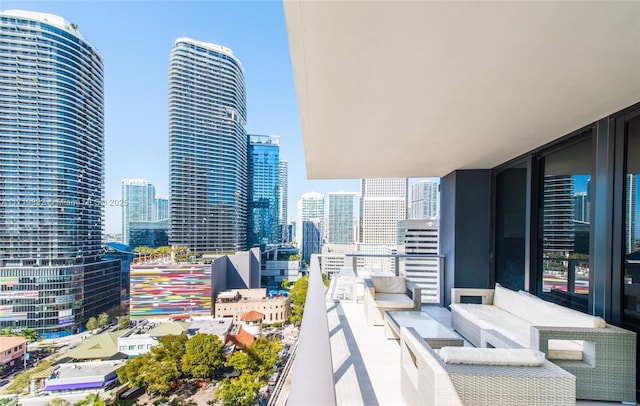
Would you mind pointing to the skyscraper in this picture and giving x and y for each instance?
(52, 277)
(424, 200)
(383, 204)
(139, 197)
(310, 209)
(207, 148)
(344, 211)
(283, 196)
(162, 208)
(264, 190)
(559, 214)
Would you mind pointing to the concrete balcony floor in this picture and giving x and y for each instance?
(366, 365)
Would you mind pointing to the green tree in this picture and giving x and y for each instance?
(124, 323)
(92, 323)
(91, 399)
(285, 284)
(133, 370)
(260, 358)
(8, 401)
(298, 295)
(203, 355)
(103, 319)
(58, 402)
(242, 391)
(30, 334)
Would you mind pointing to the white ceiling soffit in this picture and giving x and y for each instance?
(422, 88)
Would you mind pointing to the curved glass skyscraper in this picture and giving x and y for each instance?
(207, 148)
(51, 176)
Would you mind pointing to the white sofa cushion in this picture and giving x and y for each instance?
(389, 284)
(554, 315)
(510, 301)
(393, 301)
(566, 349)
(495, 318)
(492, 356)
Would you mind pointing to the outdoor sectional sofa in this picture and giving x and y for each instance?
(600, 355)
(382, 293)
(428, 378)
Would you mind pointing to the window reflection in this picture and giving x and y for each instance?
(631, 279)
(566, 208)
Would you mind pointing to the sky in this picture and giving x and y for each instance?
(135, 39)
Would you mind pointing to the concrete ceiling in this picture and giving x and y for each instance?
(422, 88)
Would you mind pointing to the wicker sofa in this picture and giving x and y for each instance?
(600, 355)
(382, 293)
(425, 379)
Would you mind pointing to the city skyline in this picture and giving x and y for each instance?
(136, 119)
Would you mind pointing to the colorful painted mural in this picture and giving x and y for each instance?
(166, 290)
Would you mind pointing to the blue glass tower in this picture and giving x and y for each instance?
(264, 190)
(52, 277)
(207, 148)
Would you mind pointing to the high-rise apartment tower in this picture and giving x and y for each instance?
(139, 198)
(264, 190)
(52, 277)
(424, 200)
(207, 148)
(342, 220)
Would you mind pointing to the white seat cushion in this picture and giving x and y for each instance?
(494, 318)
(393, 300)
(565, 349)
(389, 284)
(492, 356)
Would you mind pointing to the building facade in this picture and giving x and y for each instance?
(424, 200)
(383, 204)
(264, 190)
(162, 208)
(167, 290)
(139, 203)
(310, 207)
(283, 196)
(152, 234)
(207, 148)
(418, 239)
(51, 177)
(235, 303)
(343, 218)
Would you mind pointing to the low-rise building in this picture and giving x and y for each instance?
(235, 303)
(12, 350)
(82, 377)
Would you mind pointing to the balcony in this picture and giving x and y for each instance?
(342, 361)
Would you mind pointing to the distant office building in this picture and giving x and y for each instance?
(52, 277)
(582, 206)
(311, 238)
(424, 200)
(238, 271)
(343, 217)
(207, 148)
(152, 234)
(559, 214)
(139, 198)
(310, 224)
(277, 266)
(167, 290)
(383, 204)
(631, 242)
(421, 237)
(283, 192)
(162, 208)
(264, 190)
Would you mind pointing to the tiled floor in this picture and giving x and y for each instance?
(366, 364)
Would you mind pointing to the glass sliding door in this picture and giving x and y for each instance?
(631, 241)
(564, 213)
(510, 226)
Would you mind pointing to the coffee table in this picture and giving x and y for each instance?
(434, 333)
